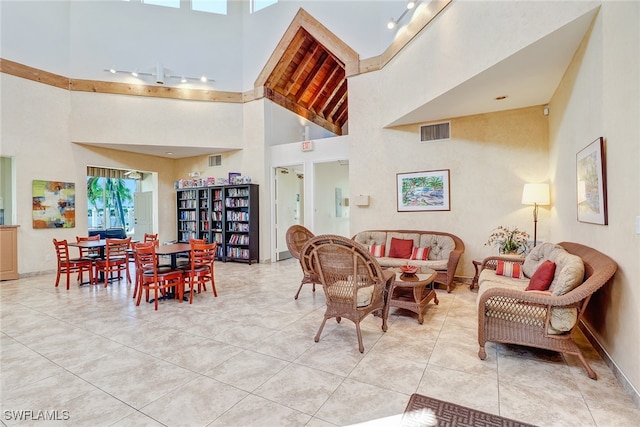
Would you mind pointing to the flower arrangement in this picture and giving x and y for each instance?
(509, 240)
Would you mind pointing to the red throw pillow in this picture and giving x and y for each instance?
(420, 253)
(400, 248)
(509, 269)
(377, 250)
(542, 278)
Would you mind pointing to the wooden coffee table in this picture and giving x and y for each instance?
(412, 292)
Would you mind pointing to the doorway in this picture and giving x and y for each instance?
(289, 205)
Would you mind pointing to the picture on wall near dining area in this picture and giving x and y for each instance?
(54, 204)
(423, 191)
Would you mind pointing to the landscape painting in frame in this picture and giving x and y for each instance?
(423, 191)
(54, 204)
(591, 183)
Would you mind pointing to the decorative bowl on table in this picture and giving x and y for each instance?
(409, 270)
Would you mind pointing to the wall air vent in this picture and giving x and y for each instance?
(215, 160)
(435, 132)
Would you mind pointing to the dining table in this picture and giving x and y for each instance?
(91, 244)
(173, 250)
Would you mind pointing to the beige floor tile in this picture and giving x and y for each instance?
(543, 406)
(474, 390)
(338, 358)
(372, 403)
(247, 370)
(196, 403)
(256, 411)
(389, 372)
(299, 387)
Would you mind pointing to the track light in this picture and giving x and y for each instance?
(394, 22)
(161, 75)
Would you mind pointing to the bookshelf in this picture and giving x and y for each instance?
(227, 215)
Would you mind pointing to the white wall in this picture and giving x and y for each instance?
(331, 215)
(600, 96)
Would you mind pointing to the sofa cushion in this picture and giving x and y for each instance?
(420, 253)
(401, 248)
(509, 269)
(440, 246)
(440, 264)
(369, 238)
(541, 279)
(569, 271)
(561, 319)
(342, 291)
(377, 250)
(415, 237)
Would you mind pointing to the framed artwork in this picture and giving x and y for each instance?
(54, 204)
(423, 191)
(591, 183)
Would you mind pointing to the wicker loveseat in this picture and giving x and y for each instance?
(507, 313)
(444, 250)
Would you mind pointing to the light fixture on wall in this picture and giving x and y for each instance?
(535, 194)
(132, 174)
(393, 22)
(161, 75)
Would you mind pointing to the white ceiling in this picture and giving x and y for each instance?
(527, 78)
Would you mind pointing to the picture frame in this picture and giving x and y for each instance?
(423, 191)
(591, 184)
(53, 204)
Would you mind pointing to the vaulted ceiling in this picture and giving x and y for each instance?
(310, 81)
(307, 73)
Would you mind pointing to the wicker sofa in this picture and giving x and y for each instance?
(508, 313)
(444, 253)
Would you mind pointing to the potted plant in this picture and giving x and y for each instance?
(510, 241)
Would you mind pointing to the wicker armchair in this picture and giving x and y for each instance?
(514, 316)
(354, 283)
(296, 237)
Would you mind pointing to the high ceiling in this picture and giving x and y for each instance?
(311, 82)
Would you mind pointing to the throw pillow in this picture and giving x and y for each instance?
(377, 250)
(542, 278)
(420, 253)
(509, 269)
(400, 248)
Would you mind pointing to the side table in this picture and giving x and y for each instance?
(412, 292)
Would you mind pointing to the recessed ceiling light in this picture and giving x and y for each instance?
(501, 97)
(169, 152)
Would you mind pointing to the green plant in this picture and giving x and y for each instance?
(508, 239)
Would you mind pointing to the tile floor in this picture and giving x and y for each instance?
(247, 358)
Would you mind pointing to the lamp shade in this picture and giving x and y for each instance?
(535, 194)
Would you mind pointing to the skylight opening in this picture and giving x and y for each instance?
(257, 5)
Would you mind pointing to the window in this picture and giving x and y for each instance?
(211, 6)
(110, 199)
(257, 5)
(166, 3)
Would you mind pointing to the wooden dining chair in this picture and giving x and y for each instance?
(201, 268)
(153, 278)
(69, 265)
(91, 254)
(116, 260)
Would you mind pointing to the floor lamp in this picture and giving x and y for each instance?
(535, 194)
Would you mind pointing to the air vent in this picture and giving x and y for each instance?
(215, 160)
(435, 132)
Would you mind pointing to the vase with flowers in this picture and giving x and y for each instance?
(509, 240)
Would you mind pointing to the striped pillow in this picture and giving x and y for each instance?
(509, 269)
(420, 253)
(377, 250)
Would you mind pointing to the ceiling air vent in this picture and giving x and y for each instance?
(215, 160)
(435, 132)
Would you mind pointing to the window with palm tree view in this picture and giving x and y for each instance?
(110, 203)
